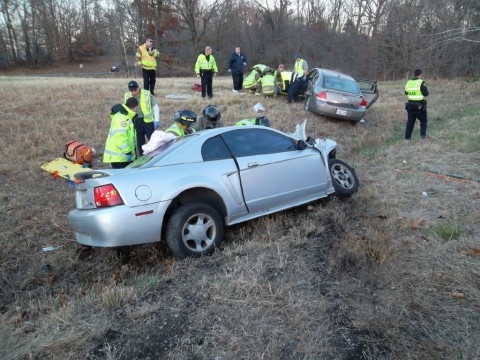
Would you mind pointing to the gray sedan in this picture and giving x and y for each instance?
(338, 95)
(190, 189)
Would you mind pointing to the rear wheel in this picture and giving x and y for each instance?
(193, 230)
(344, 178)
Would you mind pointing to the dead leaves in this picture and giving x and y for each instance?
(417, 224)
(457, 295)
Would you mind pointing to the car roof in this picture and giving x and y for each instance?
(334, 73)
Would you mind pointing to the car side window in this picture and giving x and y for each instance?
(250, 142)
(215, 149)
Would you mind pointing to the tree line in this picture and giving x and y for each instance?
(382, 39)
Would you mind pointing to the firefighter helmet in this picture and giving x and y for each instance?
(262, 120)
(211, 113)
(185, 117)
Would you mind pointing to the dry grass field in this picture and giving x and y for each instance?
(390, 273)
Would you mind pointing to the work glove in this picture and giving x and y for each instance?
(156, 124)
(244, 64)
(229, 70)
(129, 157)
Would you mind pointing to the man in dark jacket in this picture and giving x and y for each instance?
(416, 91)
(236, 63)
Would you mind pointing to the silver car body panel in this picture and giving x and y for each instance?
(260, 185)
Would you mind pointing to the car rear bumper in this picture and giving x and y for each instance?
(323, 108)
(118, 225)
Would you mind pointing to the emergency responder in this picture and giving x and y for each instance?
(120, 144)
(278, 77)
(145, 56)
(210, 119)
(206, 68)
(236, 63)
(299, 78)
(267, 84)
(416, 91)
(261, 120)
(148, 118)
(183, 121)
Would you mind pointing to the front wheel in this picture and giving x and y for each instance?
(193, 230)
(344, 179)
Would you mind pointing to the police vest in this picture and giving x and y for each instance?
(414, 93)
(148, 61)
(204, 64)
(299, 70)
(145, 104)
(175, 129)
(121, 138)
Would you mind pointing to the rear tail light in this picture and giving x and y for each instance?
(107, 195)
(363, 102)
(322, 95)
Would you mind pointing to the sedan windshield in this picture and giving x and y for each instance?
(151, 159)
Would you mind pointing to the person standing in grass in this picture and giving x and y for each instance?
(120, 144)
(416, 91)
(148, 118)
(206, 68)
(146, 55)
(299, 78)
(236, 63)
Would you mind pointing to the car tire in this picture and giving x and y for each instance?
(307, 102)
(194, 230)
(344, 178)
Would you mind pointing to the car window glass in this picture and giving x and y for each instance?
(215, 149)
(340, 84)
(249, 142)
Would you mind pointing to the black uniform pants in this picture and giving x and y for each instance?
(416, 111)
(237, 81)
(149, 78)
(296, 89)
(207, 81)
(143, 131)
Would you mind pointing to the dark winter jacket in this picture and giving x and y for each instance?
(236, 63)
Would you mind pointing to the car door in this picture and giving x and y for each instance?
(369, 91)
(273, 172)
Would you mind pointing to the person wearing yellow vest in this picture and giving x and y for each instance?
(145, 56)
(416, 91)
(206, 68)
(261, 121)
(299, 79)
(148, 118)
(120, 144)
(183, 121)
(267, 85)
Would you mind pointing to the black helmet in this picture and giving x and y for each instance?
(211, 113)
(185, 117)
(132, 85)
(262, 120)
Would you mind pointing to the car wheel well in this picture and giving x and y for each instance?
(196, 195)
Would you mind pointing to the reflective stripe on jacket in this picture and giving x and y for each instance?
(177, 130)
(121, 138)
(145, 101)
(204, 64)
(412, 88)
(148, 61)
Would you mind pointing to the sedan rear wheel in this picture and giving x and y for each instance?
(344, 178)
(193, 230)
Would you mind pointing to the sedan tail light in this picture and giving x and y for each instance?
(107, 195)
(322, 95)
(363, 102)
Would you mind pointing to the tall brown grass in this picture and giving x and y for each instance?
(389, 273)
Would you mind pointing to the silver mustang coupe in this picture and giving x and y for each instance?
(187, 191)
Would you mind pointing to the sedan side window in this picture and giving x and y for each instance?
(249, 142)
(215, 149)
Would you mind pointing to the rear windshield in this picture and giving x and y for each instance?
(152, 158)
(340, 84)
